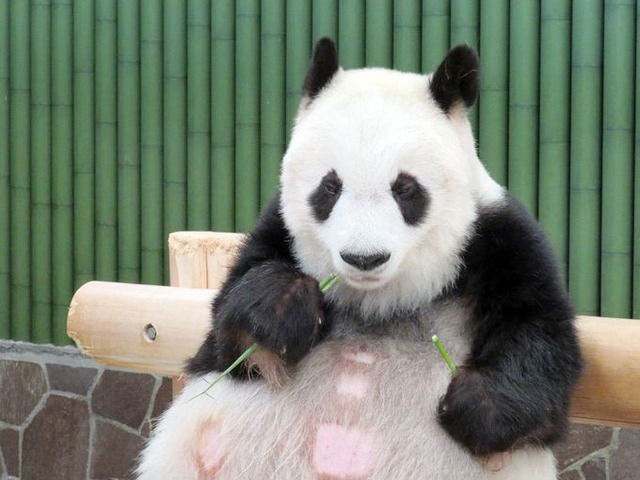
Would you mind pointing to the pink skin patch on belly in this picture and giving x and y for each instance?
(353, 385)
(211, 454)
(343, 453)
(365, 358)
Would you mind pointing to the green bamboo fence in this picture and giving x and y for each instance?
(523, 101)
(5, 179)
(151, 142)
(106, 168)
(222, 114)
(636, 183)
(407, 35)
(553, 159)
(272, 87)
(61, 167)
(585, 161)
(124, 120)
(20, 98)
(41, 170)
(494, 87)
(617, 158)
(198, 115)
(379, 33)
(247, 161)
(83, 143)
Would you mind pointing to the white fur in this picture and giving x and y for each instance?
(368, 125)
(269, 432)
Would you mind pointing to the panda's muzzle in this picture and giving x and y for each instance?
(365, 262)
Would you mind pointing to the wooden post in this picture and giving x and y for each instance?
(200, 260)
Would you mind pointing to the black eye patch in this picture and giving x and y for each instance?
(325, 196)
(412, 198)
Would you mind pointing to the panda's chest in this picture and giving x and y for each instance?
(352, 408)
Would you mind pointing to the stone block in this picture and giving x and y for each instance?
(581, 441)
(123, 397)
(22, 384)
(10, 447)
(115, 452)
(56, 443)
(625, 460)
(70, 379)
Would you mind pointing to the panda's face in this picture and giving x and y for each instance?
(376, 186)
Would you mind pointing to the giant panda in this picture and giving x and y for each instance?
(381, 184)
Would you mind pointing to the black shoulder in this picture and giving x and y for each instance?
(510, 267)
(270, 239)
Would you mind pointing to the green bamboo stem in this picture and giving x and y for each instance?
(494, 87)
(41, 171)
(199, 117)
(324, 21)
(175, 172)
(436, 341)
(407, 35)
(128, 141)
(435, 33)
(379, 33)
(272, 95)
(83, 143)
(20, 170)
(152, 241)
(523, 102)
(62, 164)
(298, 52)
(465, 18)
(465, 22)
(247, 182)
(555, 63)
(5, 182)
(617, 158)
(222, 114)
(586, 118)
(106, 168)
(636, 183)
(351, 33)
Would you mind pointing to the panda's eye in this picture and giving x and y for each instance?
(412, 198)
(403, 190)
(403, 187)
(331, 188)
(325, 195)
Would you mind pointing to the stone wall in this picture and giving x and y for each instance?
(65, 417)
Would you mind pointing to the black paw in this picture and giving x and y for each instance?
(484, 413)
(274, 305)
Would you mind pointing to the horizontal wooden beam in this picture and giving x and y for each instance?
(155, 329)
(140, 327)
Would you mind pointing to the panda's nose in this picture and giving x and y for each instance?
(365, 262)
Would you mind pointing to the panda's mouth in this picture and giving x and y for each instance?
(365, 281)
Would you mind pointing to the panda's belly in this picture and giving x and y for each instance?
(355, 409)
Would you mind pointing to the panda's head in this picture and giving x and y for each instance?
(381, 182)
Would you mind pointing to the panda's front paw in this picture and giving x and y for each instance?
(276, 306)
(479, 413)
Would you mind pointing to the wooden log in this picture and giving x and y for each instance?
(110, 322)
(141, 327)
(609, 393)
(201, 259)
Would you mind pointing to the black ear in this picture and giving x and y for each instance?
(324, 65)
(457, 79)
